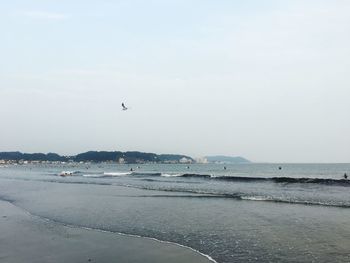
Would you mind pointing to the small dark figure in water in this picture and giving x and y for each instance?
(224, 167)
(345, 176)
(279, 168)
(131, 169)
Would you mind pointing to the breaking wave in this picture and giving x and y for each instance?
(109, 174)
(291, 180)
(200, 194)
(246, 179)
(117, 173)
(171, 175)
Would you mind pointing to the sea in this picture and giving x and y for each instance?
(228, 212)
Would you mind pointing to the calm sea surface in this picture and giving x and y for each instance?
(236, 213)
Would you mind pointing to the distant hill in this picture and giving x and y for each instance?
(16, 156)
(226, 159)
(96, 156)
(129, 157)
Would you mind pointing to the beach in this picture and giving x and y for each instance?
(28, 238)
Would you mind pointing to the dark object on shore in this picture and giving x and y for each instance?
(345, 176)
(279, 168)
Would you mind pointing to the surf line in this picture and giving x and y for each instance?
(57, 222)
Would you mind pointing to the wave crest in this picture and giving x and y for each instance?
(302, 180)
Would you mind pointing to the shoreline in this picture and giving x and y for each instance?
(31, 238)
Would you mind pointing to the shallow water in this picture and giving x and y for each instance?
(245, 213)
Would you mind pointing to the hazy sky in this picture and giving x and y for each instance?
(267, 80)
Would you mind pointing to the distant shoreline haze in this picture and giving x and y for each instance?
(117, 156)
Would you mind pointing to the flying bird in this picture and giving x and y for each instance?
(124, 107)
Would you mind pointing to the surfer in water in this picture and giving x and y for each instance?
(345, 176)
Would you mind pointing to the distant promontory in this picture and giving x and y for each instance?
(226, 159)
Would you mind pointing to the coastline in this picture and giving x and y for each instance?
(28, 238)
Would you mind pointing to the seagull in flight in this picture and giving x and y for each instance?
(124, 107)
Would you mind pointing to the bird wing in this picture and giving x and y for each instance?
(124, 107)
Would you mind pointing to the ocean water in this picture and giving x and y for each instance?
(244, 213)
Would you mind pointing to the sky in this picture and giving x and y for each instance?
(267, 80)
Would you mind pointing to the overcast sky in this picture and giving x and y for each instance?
(267, 80)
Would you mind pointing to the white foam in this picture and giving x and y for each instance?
(117, 173)
(255, 198)
(170, 175)
(107, 174)
(66, 173)
(93, 175)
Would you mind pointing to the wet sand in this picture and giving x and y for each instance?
(27, 238)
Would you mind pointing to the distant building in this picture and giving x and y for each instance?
(185, 160)
(201, 160)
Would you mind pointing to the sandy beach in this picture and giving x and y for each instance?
(27, 238)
